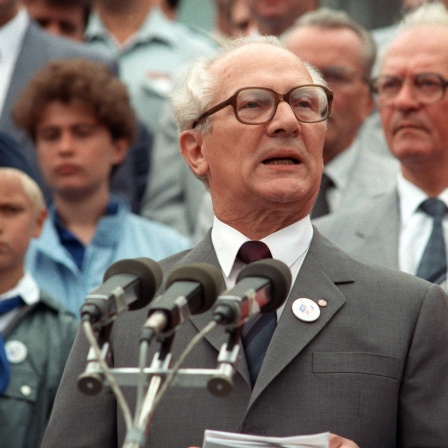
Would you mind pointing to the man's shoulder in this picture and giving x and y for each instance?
(154, 228)
(346, 220)
(49, 47)
(370, 277)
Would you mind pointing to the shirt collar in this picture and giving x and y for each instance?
(156, 26)
(13, 33)
(286, 245)
(26, 288)
(411, 197)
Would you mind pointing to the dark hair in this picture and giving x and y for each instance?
(91, 83)
(86, 6)
(174, 4)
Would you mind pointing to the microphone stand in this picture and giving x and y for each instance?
(136, 438)
(218, 381)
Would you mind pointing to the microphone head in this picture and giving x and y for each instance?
(207, 275)
(148, 271)
(279, 275)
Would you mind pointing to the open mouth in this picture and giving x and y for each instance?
(281, 161)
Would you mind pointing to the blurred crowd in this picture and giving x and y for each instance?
(91, 170)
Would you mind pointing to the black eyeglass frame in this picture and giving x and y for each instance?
(279, 97)
(443, 84)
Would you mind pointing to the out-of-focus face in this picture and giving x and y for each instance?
(326, 49)
(19, 222)
(417, 133)
(76, 153)
(275, 16)
(258, 170)
(241, 21)
(409, 5)
(67, 21)
(8, 9)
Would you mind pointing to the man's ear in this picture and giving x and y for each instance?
(369, 104)
(39, 222)
(191, 150)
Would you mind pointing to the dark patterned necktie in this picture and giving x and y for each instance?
(433, 264)
(258, 330)
(321, 206)
(6, 305)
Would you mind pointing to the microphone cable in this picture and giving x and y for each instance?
(90, 335)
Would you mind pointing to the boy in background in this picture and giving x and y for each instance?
(36, 333)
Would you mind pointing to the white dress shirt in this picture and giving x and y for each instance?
(11, 38)
(26, 288)
(289, 245)
(416, 225)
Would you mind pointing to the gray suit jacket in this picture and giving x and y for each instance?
(38, 48)
(365, 369)
(369, 233)
(173, 194)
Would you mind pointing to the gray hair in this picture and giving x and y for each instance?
(196, 93)
(330, 19)
(426, 14)
(30, 187)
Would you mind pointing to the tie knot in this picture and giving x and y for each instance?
(252, 251)
(434, 207)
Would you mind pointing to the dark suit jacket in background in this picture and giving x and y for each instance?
(372, 368)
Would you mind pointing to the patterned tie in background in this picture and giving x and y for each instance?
(258, 330)
(321, 206)
(6, 305)
(433, 264)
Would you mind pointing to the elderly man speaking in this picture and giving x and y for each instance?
(362, 364)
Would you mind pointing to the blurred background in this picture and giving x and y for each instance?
(370, 13)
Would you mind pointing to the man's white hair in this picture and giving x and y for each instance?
(426, 14)
(196, 93)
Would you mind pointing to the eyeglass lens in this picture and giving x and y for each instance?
(427, 87)
(257, 106)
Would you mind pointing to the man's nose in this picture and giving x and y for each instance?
(284, 120)
(406, 97)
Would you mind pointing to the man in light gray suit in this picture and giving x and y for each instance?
(27, 48)
(394, 230)
(362, 366)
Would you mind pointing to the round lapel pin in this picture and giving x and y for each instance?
(16, 351)
(305, 309)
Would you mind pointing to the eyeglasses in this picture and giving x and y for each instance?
(257, 105)
(339, 77)
(427, 87)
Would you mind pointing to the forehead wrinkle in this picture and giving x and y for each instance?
(232, 67)
(419, 45)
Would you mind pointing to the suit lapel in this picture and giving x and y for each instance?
(322, 270)
(26, 65)
(378, 231)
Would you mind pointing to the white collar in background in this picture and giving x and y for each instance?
(27, 288)
(411, 197)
